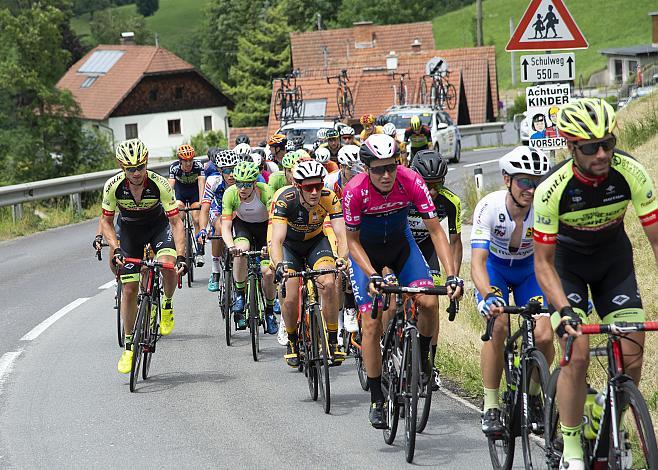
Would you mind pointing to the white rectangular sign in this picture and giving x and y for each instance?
(548, 67)
(543, 102)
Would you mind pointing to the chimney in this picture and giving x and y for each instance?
(128, 38)
(654, 28)
(392, 61)
(364, 34)
(416, 45)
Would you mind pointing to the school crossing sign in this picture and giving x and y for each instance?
(543, 102)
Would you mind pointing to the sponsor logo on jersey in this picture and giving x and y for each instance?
(575, 298)
(499, 230)
(501, 217)
(528, 232)
(551, 189)
(620, 299)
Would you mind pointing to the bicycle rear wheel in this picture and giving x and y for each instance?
(349, 102)
(253, 318)
(121, 332)
(360, 365)
(298, 102)
(533, 425)
(226, 304)
(423, 95)
(411, 370)
(450, 96)
(552, 436)
(424, 404)
(322, 361)
(138, 341)
(501, 448)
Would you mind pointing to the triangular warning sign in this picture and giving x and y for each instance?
(546, 25)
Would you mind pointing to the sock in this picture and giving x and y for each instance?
(167, 302)
(129, 342)
(240, 286)
(424, 347)
(269, 303)
(572, 445)
(490, 398)
(216, 266)
(535, 387)
(376, 394)
(291, 330)
(332, 329)
(292, 337)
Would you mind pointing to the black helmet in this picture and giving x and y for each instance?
(299, 142)
(381, 120)
(430, 165)
(242, 139)
(212, 152)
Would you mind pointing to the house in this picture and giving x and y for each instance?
(374, 56)
(623, 62)
(147, 92)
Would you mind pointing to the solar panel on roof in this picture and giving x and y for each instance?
(100, 62)
(89, 81)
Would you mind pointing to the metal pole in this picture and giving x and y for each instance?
(76, 203)
(511, 32)
(479, 181)
(17, 212)
(478, 16)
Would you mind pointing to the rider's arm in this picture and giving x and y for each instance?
(227, 230)
(547, 276)
(230, 203)
(358, 254)
(201, 181)
(168, 201)
(643, 195)
(109, 206)
(106, 225)
(172, 182)
(479, 272)
(279, 231)
(651, 232)
(179, 234)
(338, 225)
(457, 251)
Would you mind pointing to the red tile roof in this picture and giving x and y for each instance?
(108, 91)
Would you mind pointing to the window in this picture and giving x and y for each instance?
(131, 131)
(174, 126)
(314, 107)
(89, 81)
(207, 123)
(178, 92)
(153, 95)
(618, 71)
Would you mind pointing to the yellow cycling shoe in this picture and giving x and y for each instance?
(167, 318)
(125, 364)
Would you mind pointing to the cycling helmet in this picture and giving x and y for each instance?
(367, 120)
(347, 130)
(242, 139)
(290, 146)
(349, 155)
(322, 155)
(277, 139)
(246, 171)
(389, 129)
(586, 118)
(430, 165)
(212, 152)
(321, 135)
(186, 152)
(303, 155)
(415, 123)
(524, 160)
(257, 158)
(289, 159)
(308, 169)
(242, 149)
(381, 120)
(226, 158)
(331, 134)
(298, 141)
(132, 152)
(378, 147)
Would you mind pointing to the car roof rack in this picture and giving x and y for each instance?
(309, 118)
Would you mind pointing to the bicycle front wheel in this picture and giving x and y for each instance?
(322, 359)
(450, 96)
(253, 318)
(410, 366)
(226, 304)
(637, 439)
(189, 250)
(308, 348)
(423, 95)
(138, 341)
(532, 418)
(424, 404)
(279, 103)
(121, 332)
(390, 386)
(349, 102)
(552, 435)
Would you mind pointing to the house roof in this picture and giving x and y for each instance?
(311, 49)
(116, 75)
(640, 49)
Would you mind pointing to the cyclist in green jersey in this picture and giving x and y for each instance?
(580, 243)
(282, 178)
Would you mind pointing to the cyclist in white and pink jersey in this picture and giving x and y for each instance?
(376, 207)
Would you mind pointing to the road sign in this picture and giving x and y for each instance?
(548, 67)
(546, 25)
(543, 102)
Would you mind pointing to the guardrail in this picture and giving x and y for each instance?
(485, 128)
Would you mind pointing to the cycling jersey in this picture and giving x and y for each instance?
(333, 153)
(252, 211)
(212, 194)
(493, 227)
(583, 216)
(334, 182)
(190, 178)
(420, 139)
(156, 201)
(364, 135)
(448, 205)
(304, 224)
(277, 180)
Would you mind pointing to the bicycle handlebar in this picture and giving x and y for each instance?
(151, 263)
(388, 290)
(98, 251)
(532, 308)
(306, 275)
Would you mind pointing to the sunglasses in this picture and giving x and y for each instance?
(593, 147)
(380, 170)
(346, 138)
(525, 184)
(244, 184)
(436, 183)
(133, 169)
(309, 188)
(227, 171)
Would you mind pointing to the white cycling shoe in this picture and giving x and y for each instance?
(349, 318)
(282, 334)
(572, 464)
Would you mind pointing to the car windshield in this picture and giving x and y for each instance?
(308, 134)
(401, 120)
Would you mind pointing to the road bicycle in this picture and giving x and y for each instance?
(226, 293)
(437, 91)
(288, 99)
(344, 98)
(146, 331)
(403, 382)
(400, 91)
(121, 335)
(521, 413)
(352, 344)
(312, 333)
(190, 241)
(625, 437)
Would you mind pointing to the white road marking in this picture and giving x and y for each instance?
(459, 399)
(107, 285)
(7, 364)
(481, 163)
(44, 325)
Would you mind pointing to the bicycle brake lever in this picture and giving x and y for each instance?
(98, 254)
(283, 289)
(489, 331)
(452, 309)
(180, 281)
(567, 352)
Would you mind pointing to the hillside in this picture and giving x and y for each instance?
(605, 23)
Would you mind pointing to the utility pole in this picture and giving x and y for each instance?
(478, 18)
(511, 32)
(319, 20)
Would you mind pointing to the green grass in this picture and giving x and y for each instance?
(605, 23)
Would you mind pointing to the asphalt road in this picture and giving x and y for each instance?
(62, 403)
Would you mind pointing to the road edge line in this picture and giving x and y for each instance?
(7, 361)
(48, 322)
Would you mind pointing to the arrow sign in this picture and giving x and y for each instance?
(547, 67)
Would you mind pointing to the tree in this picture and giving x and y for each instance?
(107, 25)
(263, 55)
(147, 7)
(384, 11)
(302, 15)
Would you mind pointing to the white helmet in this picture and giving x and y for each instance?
(322, 154)
(347, 130)
(389, 129)
(349, 155)
(256, 157)
(524, 160)
(225, 158)
(308, 169)
(321, 134)
(242, 149)
(378, 147)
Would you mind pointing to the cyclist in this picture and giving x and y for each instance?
(433, 169)
(187, 178)
(243, 151)
(244, 225)
(209, 168)
(581, 242)
(298, 241)
(390, 130)
(257, 158)
(323, 156)
(376, 206)
(418, 137)
(282, 178)
(242, 139)
(369, 127)
(347, 136)
(277, 145)
(502, 260)
(149, 214)
(211, 209)
(332, 143)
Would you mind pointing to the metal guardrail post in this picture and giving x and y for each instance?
(499, 139)
(76, 203)
(478, 140)
(479, 181)
(17, 212)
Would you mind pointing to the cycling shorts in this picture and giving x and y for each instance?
(432, 260)
(187, 193)
(403, 258)
(610, 275)
(254, 232)
(297, 254)
(520, 279)
(133, 239)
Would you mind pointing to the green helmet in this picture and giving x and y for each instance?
(245, 171)
(289, 159)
